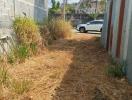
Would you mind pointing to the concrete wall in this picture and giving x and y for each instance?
(37, 9)
(33, 8)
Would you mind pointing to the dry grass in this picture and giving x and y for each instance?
(72, 69)
(4, 77)
(20, 86)
(55, 29)
(26, 30)
(59, 28)
(11, 88)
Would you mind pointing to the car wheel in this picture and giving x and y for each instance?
(82, 30)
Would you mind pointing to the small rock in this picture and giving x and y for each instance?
(122, 80)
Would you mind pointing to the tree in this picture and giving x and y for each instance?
(55, 7)
(58, 5)
(53, 3)
(70, 8)
(94, 15)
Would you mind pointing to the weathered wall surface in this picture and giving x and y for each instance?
(126, 29)
(6, 17)
(129, 57)
(115, 21)
(36, 9)
(127, 48)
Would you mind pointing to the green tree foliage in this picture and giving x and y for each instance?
(53, 3)
(85, 4)
(94, 15)
(55, 7)
(70, 8)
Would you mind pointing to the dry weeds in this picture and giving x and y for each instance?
(72, 69)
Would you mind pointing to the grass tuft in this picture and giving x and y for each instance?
(22, 52)
(116, 70)
(59, 29)
(20, 87)
(4, 76)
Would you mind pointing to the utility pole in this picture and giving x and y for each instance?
(64, 9)
(105, 4)
(96, 6)
(14, 8)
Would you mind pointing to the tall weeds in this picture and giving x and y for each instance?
(28, 38)
(14, 86)
(26, 30)
(59, 28)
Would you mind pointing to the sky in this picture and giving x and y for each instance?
(69, 1)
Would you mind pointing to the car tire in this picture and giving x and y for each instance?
(82, 30)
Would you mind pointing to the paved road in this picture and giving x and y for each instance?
(98, 34)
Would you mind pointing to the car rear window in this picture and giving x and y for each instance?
(97, 22)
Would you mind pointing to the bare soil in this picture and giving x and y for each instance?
(71, 69)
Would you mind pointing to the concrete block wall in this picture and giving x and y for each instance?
(9, 9)
(37, 9)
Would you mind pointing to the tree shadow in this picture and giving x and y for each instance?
(85, 72)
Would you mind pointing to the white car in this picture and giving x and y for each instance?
(95, 25)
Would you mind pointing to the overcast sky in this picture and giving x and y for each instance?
(69, 1)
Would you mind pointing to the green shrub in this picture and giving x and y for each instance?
(22, 52)
(20, 87)
(116, 71)
(26, 30)
(59, 28)
(19, 54)
(11, 58)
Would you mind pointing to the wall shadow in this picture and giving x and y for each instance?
(81, 80)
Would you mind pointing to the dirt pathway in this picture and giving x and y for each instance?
(72, 69)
